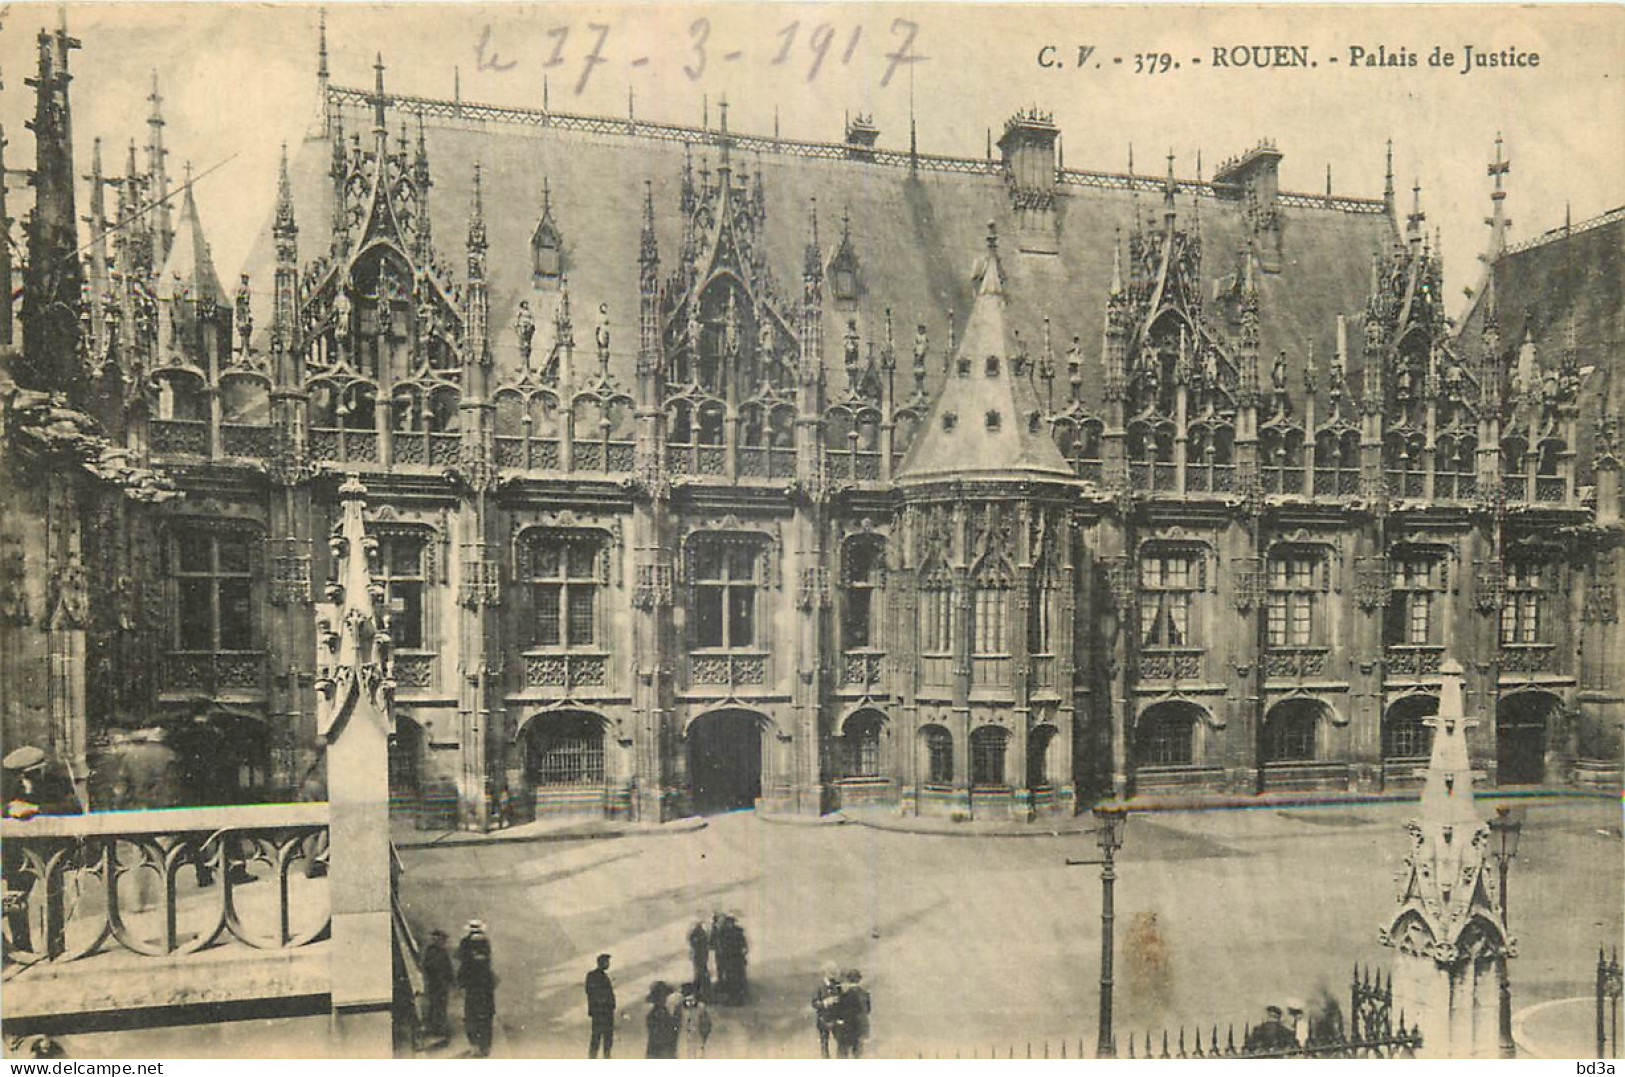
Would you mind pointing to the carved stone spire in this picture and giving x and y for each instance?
(158, 178)
(1388, 181)
(1498, 221)
(284, 229)
(477, 243)
(1448, 932)
(380, 105)
(53, 283)
(99, 280)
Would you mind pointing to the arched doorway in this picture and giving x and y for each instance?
(225, 758)
(1522, 721)
(405, 767)
(724, 761)
(565, 766)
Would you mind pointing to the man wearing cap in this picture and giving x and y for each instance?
(601, 1008)
(1296, 1025)
(31, 790)
(437, 977)
(478, 980)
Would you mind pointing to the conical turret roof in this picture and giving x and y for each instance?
(190, 261)
(987, 421)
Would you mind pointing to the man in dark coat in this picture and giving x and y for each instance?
(601, 1008)
(662, 1022)
(852, 1016)
(730, 946)
(824, 1004)
(699, 954)
(479, 983)
(1271, 1036)
(437, 977)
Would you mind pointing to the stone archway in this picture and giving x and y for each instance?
(1523, 729)
(726, 752)
(406, 751)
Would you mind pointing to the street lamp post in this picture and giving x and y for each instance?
(1507, 826)
(1109, 820)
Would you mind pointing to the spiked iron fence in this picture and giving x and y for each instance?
(1372, 1031)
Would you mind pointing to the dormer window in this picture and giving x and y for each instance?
(843, 283)
(547, 244)
(994, 421)
(1034, 420)
(993, 366)
(843, 267)
(548, 261)
(964, 368)
(949, 421)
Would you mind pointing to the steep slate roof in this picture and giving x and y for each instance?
(983, 422)
(914, 231)
(1564, 288)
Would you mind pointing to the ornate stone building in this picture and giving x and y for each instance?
(710, 469)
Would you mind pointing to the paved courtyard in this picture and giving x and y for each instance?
(972, 943)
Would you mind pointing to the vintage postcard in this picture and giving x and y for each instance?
(797, 530)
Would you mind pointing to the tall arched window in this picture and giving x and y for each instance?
(1297, 577)
(1291, 731)
(936, 619)
(987, 749)
(990, 606)
(863, 563)
(1404, 734)
(863, 732)
(1165, 735)
(564, 571)
(937, 746)
(726, 581)
(401, 574)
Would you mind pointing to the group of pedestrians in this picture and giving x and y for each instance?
(723, 940)
(475, 974)
(841, 1009)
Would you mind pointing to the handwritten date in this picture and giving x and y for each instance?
(818, 48)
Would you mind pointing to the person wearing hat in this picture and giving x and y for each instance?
(1295, 1023)
(852, 1016)
(601, 1008)
(478, 980)
(32, 790)
(824, 1004)
(437, 977)
(661, 1022)
(1271, 1036)
(693, 1022)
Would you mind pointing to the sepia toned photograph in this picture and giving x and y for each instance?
(811, 530)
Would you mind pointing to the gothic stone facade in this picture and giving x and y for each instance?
(724, 469)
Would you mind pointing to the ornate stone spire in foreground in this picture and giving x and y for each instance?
(1448, 931)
